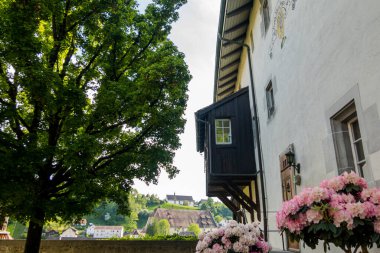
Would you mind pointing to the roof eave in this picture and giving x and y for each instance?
(218, 44)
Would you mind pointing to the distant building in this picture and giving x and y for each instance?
(180, 220)
(51, 235)
(108, 231)
(69, 233)
(135, 234)
(90, 230)
(180, 199)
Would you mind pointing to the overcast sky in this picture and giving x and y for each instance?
(195, 35)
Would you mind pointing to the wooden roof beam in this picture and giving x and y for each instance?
(243, 24)
(239, 10)
(233, 52)
(231, 64)
(238, 38)
(231, 205)
(232, 74)
(229, 90)
(228, 82)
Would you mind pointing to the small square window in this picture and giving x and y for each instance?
(223, 131)
(270, 99)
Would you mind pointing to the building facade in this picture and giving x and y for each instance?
(312, 71)
(180, 220)
(69, 233)
(108, 231)
(180, 199)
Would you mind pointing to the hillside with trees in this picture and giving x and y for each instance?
(141, 206)
(106, 213)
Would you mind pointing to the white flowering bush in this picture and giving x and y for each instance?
(233, 238)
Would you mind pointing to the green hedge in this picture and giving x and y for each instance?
(174, 237)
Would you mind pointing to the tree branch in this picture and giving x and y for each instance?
(68, 57)
(106, 160)
(87, 67)
(58, 35)
(137, 56)
(70, 28)
(12, 93)
(61, 187)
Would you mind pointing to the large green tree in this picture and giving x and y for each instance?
(92, 95)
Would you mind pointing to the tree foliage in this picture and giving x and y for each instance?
(163, 227)
(92, 95)
(158, 227)
(217, 208)
(194, 227)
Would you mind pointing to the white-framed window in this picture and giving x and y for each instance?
(356, 145)
(348, 141)
(223, 133)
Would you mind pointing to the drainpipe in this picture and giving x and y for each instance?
(257, 131)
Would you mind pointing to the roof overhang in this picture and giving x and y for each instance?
(233, 24)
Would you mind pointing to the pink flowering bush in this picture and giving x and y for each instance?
(341, 211)
(234, 237)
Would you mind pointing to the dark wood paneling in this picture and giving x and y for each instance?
(236, 158)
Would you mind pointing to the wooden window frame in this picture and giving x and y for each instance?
(223, 128)
(354, 145)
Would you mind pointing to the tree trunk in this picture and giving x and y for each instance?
(33, 239)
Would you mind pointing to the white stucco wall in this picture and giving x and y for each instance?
(331, 55)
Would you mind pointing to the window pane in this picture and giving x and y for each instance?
(356, 130)
(226, 131)
(219, 139)
(219, 131)
(218, 123)
(226, 123)
(359, 151)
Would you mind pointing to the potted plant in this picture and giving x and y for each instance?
(233, 238)
(342, 211)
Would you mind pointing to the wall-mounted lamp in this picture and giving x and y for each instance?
(290, 157)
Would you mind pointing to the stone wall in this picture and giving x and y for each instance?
(93, 246)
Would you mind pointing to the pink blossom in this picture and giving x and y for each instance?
(313, 216)
(221, 232)
(353, 178)
(341, 216)
(217, 248)
(318, 194)
(265, 247)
